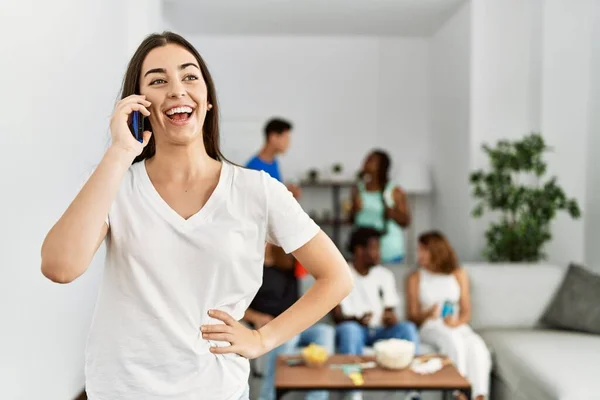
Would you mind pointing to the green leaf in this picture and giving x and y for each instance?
(478, 210)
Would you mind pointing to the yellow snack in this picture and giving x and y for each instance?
(357, 378)
(314, 355)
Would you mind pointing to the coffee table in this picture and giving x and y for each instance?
(302, 378)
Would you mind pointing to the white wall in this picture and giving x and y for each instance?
(450, 116)
(505, 98)
(345, 95)
(566, 73)
(592, 200)
(532, 77)
(62, 64)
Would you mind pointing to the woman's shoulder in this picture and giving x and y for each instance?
(251, 182)
(248, 177)
(413, 275)
(460, 273)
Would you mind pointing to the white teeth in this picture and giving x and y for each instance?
(178, 110)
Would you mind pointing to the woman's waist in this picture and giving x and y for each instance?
(153, 376)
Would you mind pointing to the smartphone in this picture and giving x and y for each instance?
(448, 309)
(136, 125)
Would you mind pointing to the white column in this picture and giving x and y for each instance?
(592, 192)
(566, 72)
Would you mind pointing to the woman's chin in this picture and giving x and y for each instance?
(182, 136)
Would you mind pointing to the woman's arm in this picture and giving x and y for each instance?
(413, 305)
(333, 282)
(465, 299)
(257, 318)
(72, 242)
(400, 212)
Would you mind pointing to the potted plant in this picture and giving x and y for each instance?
(313, 175)
(337, 170)
(524, 210)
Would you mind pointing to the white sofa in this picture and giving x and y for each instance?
(530, 362)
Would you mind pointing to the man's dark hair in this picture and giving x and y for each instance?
(277, 126)
(361, 236)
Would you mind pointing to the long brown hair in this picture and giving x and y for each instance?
(442, 256)
(131, 85)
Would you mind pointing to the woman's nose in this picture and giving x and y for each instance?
(176, 90)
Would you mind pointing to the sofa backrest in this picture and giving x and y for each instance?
(502, 295)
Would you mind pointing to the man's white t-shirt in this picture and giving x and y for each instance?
(162, 275)
(372, 293)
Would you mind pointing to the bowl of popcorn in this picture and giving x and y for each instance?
(314, 355)
(394, 353)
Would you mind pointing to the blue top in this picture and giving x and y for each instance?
(270, 168)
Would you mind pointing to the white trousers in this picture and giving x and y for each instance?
(465, 348)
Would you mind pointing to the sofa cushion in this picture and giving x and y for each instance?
(511, 295)
(546, 364)
(576, 306)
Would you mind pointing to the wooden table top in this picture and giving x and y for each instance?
(301, 377)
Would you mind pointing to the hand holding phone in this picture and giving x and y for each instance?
(127, 121)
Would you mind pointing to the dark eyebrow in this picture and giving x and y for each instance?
(163, 71)
(184, 66)
(155, 71)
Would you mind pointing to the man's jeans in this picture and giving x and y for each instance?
(321, 334)
(352, 337)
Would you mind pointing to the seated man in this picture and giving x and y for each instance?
(277, 293)
(367, 314)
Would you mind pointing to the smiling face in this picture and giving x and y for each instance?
(172, 81)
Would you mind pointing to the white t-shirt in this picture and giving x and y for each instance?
(372, 293)
(163, 273)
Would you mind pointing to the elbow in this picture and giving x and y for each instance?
(58, 272)
(347, 284)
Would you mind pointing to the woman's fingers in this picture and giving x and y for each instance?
(130, 107)
(221, 337)
(216, 328)
(140, 99)
(222, 316)
(147, 135)
(223, 349)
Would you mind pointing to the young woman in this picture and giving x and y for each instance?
(185, 233)
(378, 203)
(439, 301)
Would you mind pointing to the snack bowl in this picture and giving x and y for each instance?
(314, 355)
(394, 353)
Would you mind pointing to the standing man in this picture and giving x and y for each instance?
(280, 287)
(277, 140)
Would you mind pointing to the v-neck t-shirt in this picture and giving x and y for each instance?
(162, 275)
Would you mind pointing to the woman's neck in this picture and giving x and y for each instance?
(180, 163)
(373, 183)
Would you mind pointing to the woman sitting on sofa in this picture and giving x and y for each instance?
(439, 303)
